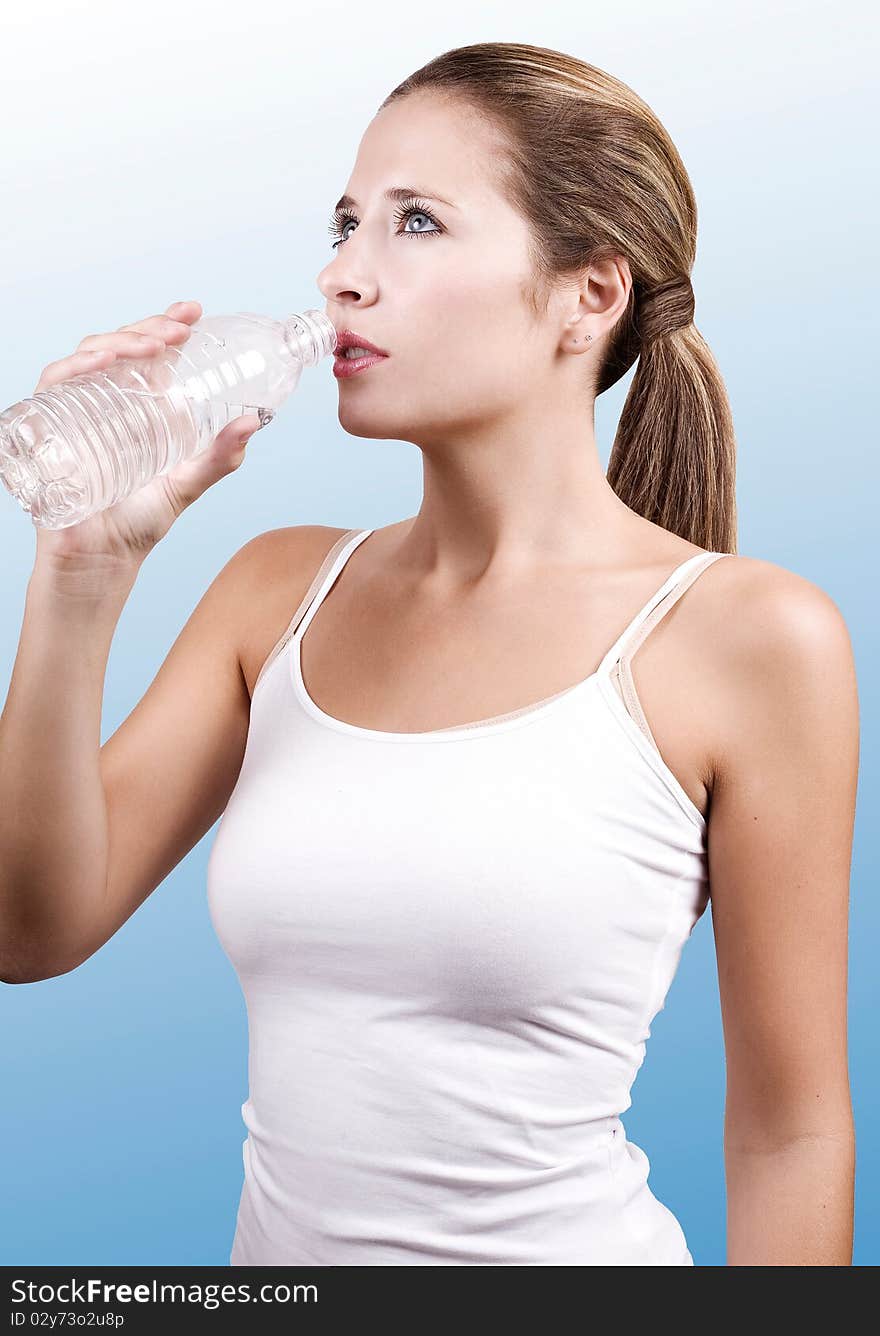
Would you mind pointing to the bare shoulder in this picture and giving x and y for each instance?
(273, 571)
(780, 655)
(276, 549)
(775, 617)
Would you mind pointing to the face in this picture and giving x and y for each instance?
(439, 285)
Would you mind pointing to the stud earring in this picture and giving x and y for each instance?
(589, 336)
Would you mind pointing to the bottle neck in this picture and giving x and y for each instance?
(310, 335)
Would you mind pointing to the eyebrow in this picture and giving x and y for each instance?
(395, 193)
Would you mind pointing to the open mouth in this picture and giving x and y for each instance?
(353, 360)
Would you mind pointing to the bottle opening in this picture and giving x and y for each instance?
(312, 335)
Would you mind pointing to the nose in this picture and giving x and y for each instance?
(340, 281)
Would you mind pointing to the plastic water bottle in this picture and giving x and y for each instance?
(79, 447)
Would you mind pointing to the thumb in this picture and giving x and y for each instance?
(192, 477)
(231, 445)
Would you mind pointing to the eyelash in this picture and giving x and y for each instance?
(344, 216)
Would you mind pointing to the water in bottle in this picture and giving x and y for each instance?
(79, 447)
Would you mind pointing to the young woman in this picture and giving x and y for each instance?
(466, 829)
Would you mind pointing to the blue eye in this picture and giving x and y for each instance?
(342, 217)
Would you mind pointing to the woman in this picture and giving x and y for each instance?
(454, 928)
(471, 829)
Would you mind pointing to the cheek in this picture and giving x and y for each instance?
(473, 333)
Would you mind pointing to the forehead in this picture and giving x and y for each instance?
(433, 142)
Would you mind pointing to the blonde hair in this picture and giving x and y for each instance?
(596, 176)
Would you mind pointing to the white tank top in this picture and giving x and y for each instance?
(452, 945)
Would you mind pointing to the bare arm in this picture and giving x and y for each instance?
(780, 846)
(88, 832)
(54, 826)
(53, 817)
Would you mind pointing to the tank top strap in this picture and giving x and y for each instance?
(323, 578)
(656, 607)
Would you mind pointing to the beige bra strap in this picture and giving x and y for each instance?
(306, 601)
(621, 674)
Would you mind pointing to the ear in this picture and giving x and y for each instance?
(595, 302)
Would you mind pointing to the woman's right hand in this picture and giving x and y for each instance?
(120, 537)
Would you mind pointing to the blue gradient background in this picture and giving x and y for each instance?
(196, 152)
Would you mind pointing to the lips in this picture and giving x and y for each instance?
(350, 366)
(348, 338)
(344, 366)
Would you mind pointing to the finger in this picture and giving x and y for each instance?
(228, 448)
(162, 326)
(130, 343)
(192, 477)
(74, 365)
(236, 431)
(188, 311)
(245, 425)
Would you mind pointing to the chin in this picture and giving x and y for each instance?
(415, 422)
(367, 425)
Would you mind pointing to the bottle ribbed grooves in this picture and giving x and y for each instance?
(157, 432)
(79, 401)
(57, 409)
(107, 401)
(131, 402)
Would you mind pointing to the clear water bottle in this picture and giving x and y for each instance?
(81, 446)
